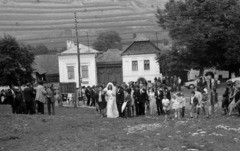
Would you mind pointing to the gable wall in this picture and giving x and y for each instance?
(130, 75)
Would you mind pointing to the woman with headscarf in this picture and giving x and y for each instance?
(112, 110)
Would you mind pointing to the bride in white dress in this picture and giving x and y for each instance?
(112, 111)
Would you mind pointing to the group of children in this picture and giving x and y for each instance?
(200, 101)
(174, 107)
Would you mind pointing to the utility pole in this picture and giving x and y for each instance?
(78, 58)
(157, 38)
(87, 40)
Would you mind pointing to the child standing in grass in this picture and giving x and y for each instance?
(214, 101)
(193, 105)
(205, 104)
(175, 105)
(182, 105)
(179, 100)
(166, 106)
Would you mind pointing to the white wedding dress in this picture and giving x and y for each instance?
(112, 111)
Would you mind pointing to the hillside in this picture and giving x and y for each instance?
(51, 22)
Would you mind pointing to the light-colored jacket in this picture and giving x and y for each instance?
(40, 94)
(79, 93)
(133, 101)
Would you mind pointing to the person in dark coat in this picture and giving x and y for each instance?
(128, 99)
(159, 97)
(11, 96)
(93, 96)
(100, 98)
(136, 95)
(88, 95)
(164, 80)
(29, 97)
(140, 97)
(225, 101)
(50, 100)
(119, 100)
(167, 81)
(172, 83)
(175, 82)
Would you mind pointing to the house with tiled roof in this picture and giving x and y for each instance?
(49, 63)
(38, 73)
(139, 60)
(109, 66)
(68, 64)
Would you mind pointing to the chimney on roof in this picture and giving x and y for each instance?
(134, 35)
(70, 44)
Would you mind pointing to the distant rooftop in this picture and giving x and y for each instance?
(49, 63)
(111, 55)
(141, 45)
(82, 48)
(37, 68)
(141, 37)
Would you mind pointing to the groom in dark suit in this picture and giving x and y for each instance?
(119, 100)
(159, 97)
(140, 96)
(136, 95)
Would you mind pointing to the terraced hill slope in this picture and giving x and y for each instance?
(51, 22)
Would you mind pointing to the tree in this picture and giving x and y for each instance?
(202, 32)
(107, 40)
(40, 49)
(15, 62)
(169, 61)
(100, 45)
(62, 49)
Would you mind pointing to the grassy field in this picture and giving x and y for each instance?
(82, 129)
(49, 21)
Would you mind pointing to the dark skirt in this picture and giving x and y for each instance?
(102, 105)
(225, 103)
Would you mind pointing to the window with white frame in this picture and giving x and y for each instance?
(134, 65)
(146, 65)
(70, 71)
(85, 72)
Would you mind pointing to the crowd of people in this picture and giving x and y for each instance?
(31, 100)
(163, 97)
(140, 99)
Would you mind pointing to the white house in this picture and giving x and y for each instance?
(68, 65)
(139, 60)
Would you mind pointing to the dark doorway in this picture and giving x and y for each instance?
(209, 74)
(142, 80)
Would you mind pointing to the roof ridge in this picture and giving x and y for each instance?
(141, 37)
